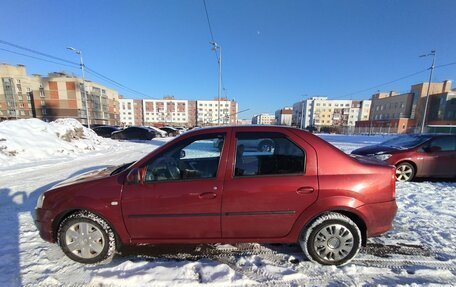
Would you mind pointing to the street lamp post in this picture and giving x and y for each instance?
(216, 46)
(83, 82)
(433, 52)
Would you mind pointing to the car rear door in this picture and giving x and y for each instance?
(266, 191)
(182, 192)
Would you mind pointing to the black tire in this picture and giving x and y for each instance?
(309, 235)
(405, 171)
(108, 237)
(265, 146)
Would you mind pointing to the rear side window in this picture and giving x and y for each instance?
(260, 154)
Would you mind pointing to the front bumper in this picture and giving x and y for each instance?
(43, 222)
(379, 217)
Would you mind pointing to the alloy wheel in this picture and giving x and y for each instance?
(404, 172)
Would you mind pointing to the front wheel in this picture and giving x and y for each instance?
(405, 171)
(86, 238)
(332, 239)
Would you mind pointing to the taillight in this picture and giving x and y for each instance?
(393, 182)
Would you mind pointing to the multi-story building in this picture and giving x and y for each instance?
(65, 97)
(244, 122)
(283, 117)
(20, 94)
(131, 112)
(391, 105)
(401, 113)
(321, 111)
(59, 95)
(216, 112)
(263, 119)
(167, 111)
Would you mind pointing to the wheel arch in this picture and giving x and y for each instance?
(65, 214)
(356, 218)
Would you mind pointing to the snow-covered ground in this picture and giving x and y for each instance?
(419, 251)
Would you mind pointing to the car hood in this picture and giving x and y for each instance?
(87, 176)
(374, 149)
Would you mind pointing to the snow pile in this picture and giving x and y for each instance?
(32, 139)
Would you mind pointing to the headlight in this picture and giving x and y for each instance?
(39, 203)
(383, 156)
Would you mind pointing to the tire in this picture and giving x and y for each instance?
(98, 244)
(405, 172)
(266, 146)
(342, 245)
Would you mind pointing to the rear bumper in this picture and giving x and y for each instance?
(379, 217)
(43, 222)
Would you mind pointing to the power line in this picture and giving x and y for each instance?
(115, 82)
(444, 65)
(37, 52)
(93, 72)
(382, 84)
(41, 59)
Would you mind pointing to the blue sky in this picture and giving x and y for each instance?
(274, 52)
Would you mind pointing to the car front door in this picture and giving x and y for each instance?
(267, 189)
(439, 157)
(181, 195)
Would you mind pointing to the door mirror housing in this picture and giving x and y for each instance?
(135, 176)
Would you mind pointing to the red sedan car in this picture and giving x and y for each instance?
(213, 185)
(425, 155)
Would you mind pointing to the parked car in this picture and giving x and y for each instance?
(105, 131)
(426, 155)
(134, 133)
(171, 132)
(189, 191)
(159, 132)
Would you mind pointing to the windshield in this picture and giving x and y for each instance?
(406, 141)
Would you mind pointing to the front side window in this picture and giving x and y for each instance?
(194, 158)
(267, 154)
(447, 143)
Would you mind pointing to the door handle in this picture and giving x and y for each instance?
(305, 190)
(208, 195)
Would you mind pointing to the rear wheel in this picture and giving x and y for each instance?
(405, 171)
(86, 238)
(332, 239)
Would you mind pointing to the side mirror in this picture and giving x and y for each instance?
(135, 176)
(182, 154)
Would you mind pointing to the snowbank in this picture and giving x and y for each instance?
(29, 140)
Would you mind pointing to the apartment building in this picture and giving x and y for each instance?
(401, 113)
(321, 111)
(20, 94)
(216, 112)
(131, 112)
(167, 111)
(58, 95)
(283, 117)
(264, 119)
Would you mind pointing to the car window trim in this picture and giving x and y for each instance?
(190, 179)
(233, 173)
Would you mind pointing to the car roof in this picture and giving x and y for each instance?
(251, 128)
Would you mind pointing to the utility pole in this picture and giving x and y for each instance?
(83, 82)
(216, 46)
(433, 52)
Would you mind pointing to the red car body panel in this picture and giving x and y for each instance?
(273, 208)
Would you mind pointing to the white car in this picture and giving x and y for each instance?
(159, 132)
